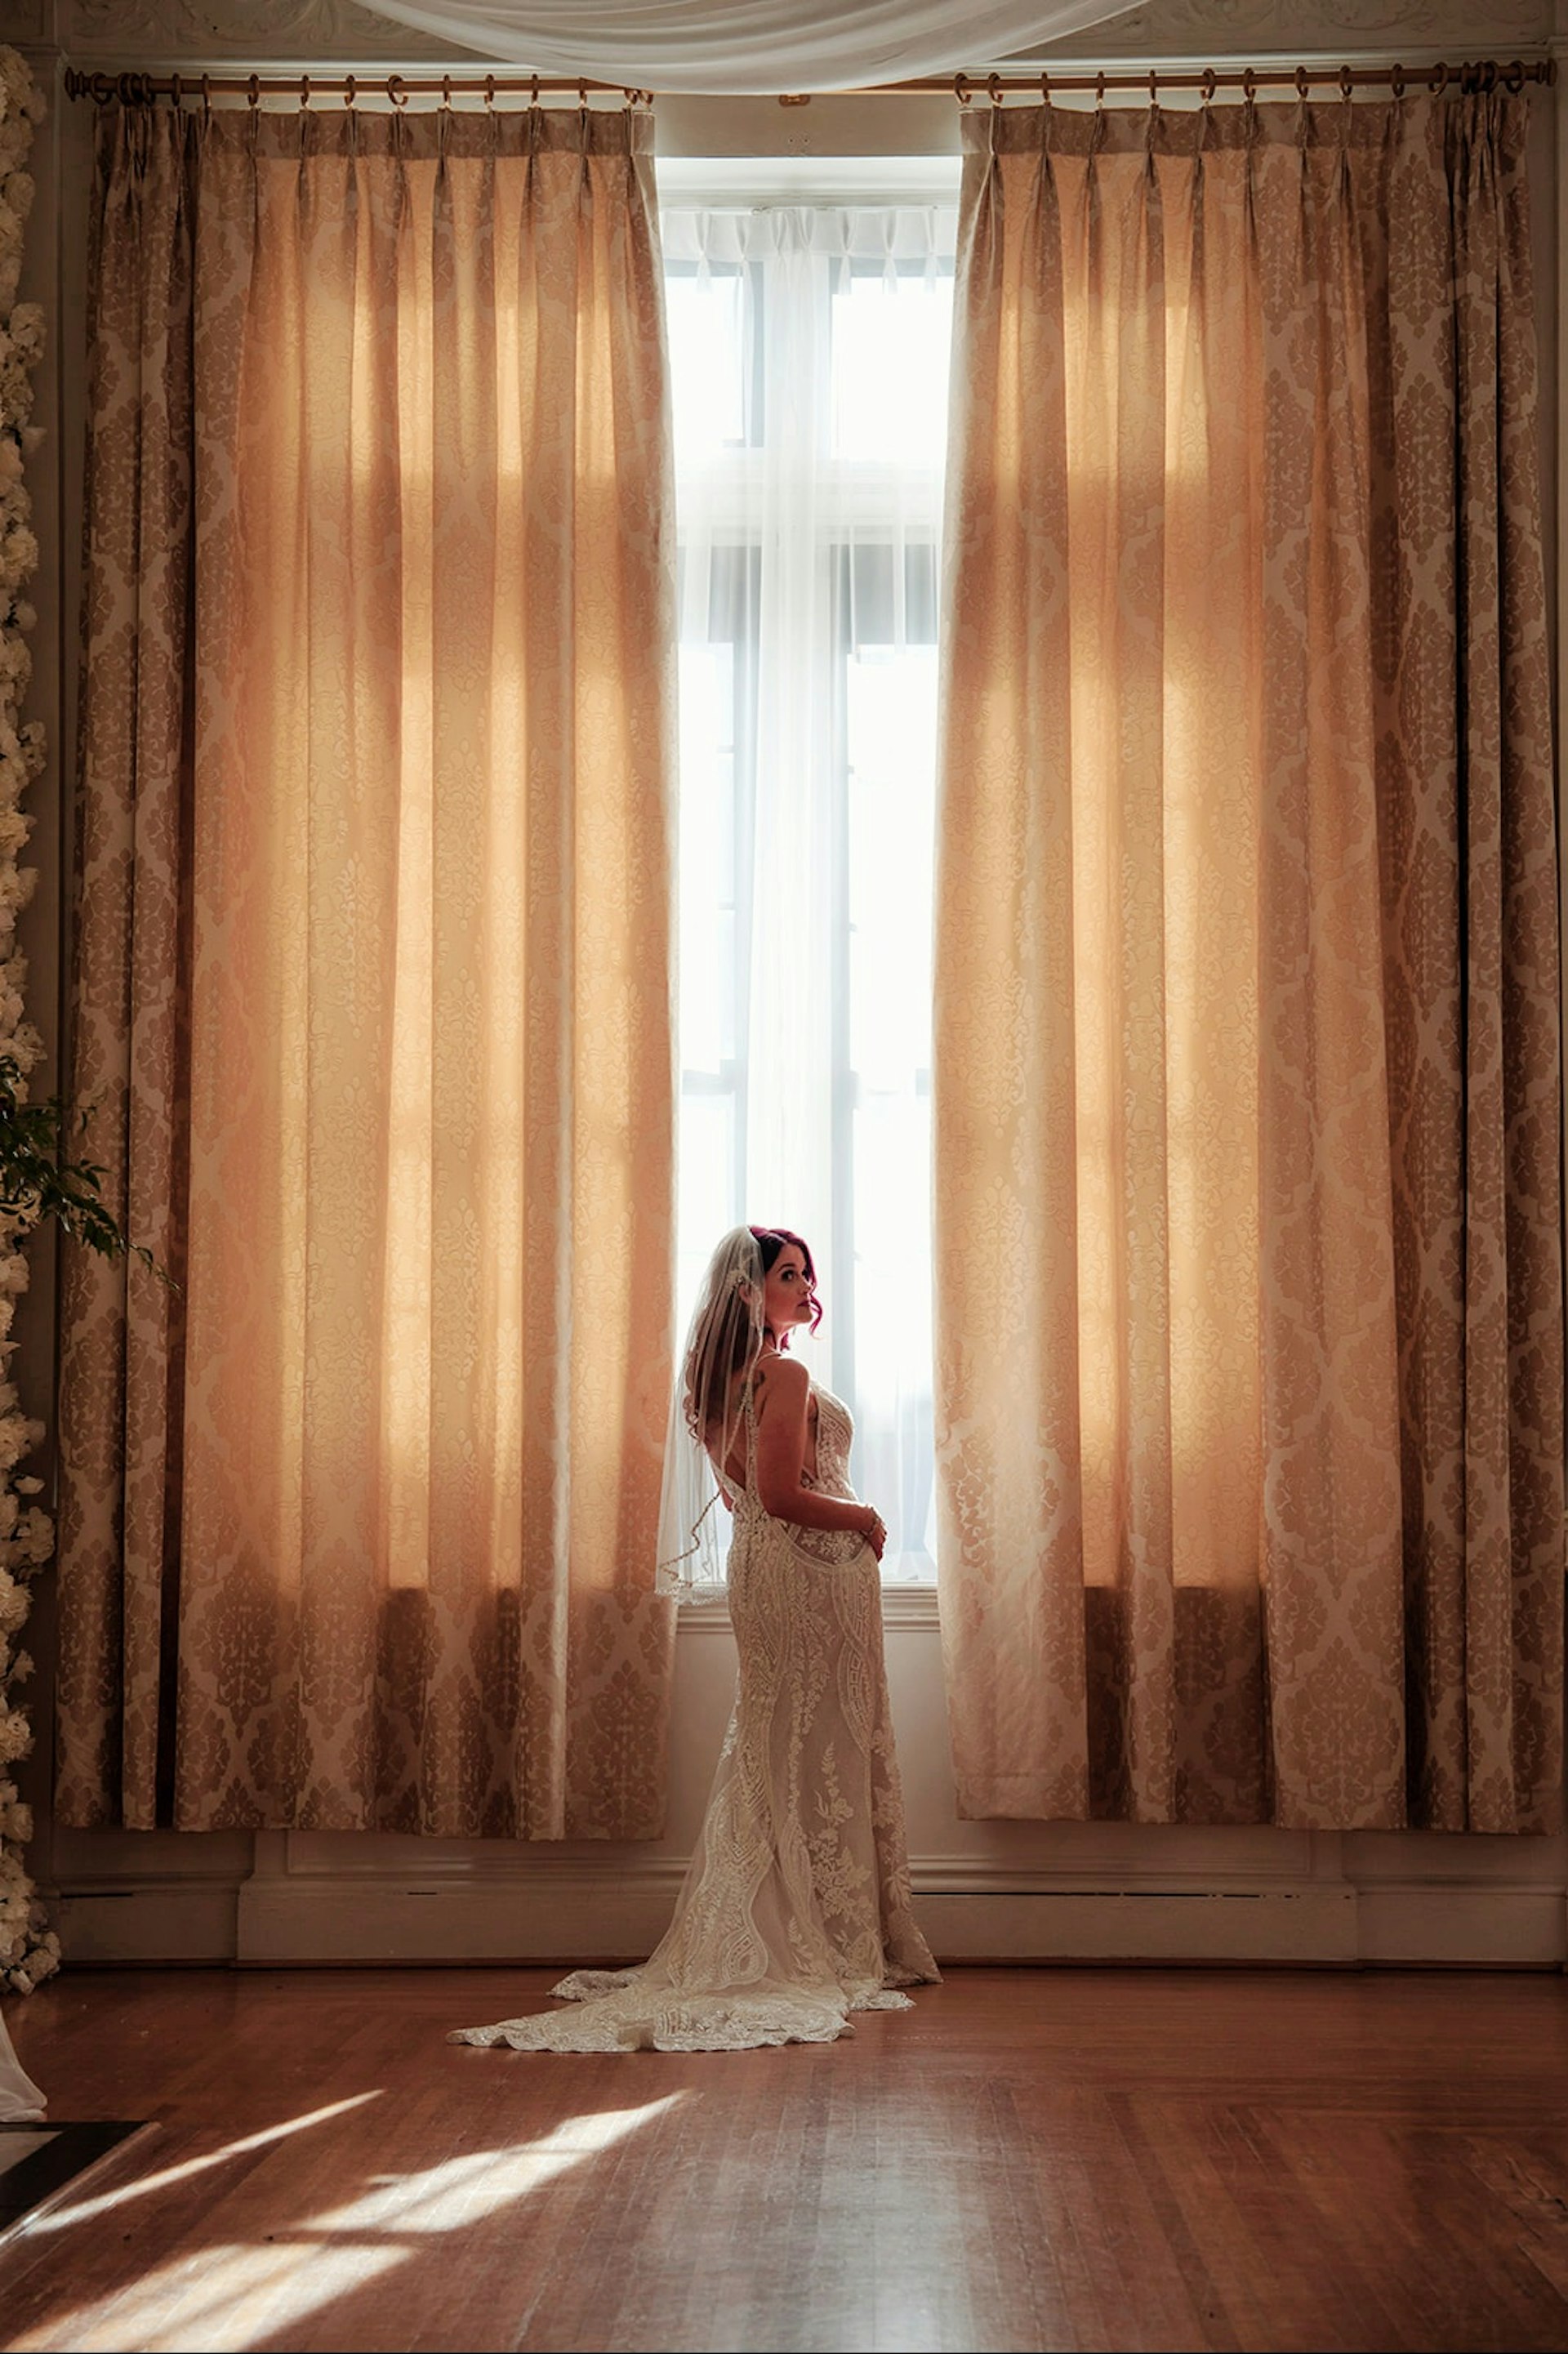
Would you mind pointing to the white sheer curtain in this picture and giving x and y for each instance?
(809, 360)
(732, 45)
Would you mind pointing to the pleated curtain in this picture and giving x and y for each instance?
(1249, 1415)
(372, 981)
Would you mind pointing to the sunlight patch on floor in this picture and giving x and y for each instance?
(235, 2295)
(84, 2210)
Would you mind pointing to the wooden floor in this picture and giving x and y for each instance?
(1028, 2159)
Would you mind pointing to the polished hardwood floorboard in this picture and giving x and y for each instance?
(1095, 2159)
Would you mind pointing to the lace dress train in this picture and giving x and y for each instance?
(796, 1909)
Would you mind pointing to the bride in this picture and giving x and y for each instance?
(796, 1908)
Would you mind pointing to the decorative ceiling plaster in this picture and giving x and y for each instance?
(260, 31)
(1304, 28)
(129, 31)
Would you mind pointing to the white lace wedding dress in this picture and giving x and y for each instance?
(796, 1909)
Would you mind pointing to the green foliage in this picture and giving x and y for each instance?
(37, 1182)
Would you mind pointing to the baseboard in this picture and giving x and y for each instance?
(164, 1920)
(548, 1914)
(1489, 1927)
(538, 1916)
(1309, 1924)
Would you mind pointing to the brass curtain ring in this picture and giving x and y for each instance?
(304, 92)
(993, 89)
(1044, 89)
(1396, 80)
(350, 92)
(396, 91)
(961, 89)
(252, 88)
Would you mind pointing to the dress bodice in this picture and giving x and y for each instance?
(835, 1435)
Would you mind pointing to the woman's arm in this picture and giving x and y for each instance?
(783, 1398)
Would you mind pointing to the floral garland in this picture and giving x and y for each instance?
(28, 1949)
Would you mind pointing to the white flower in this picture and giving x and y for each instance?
(34, 1537)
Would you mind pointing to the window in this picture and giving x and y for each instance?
(809, 355)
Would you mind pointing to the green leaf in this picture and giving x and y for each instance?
(38, 1183)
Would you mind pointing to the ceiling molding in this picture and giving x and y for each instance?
(262, 32)
(257, 32)
(1260, 28)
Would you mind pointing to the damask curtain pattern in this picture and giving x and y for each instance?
(430, 1108)
(1249, 1359)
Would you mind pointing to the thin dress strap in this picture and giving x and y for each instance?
(749, 1405)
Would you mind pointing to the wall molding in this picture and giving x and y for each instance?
(571, 1908)
(1415, 29)
(132, 32)
(253, 31)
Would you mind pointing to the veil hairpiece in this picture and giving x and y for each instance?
(707, 1417)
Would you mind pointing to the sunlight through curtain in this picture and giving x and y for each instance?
(372, 974)
(1249, 1294)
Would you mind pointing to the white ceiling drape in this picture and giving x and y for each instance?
(748, 46)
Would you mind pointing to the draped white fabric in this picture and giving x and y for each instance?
(809, 364)
(20, 2099)
(748, 45)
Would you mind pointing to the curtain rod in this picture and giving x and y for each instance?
(1483, 74)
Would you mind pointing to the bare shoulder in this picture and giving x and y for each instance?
(784, 1383)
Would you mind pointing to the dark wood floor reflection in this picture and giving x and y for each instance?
(1028, 2159)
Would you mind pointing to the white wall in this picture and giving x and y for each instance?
(1018, 1890)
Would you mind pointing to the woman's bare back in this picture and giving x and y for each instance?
(732, 1472)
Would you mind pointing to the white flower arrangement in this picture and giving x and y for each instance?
(30, 1950)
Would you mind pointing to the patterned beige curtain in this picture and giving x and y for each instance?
(1249, 1350)
(372, 980)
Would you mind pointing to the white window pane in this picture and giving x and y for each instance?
(808, 522)
(707, 857)
(706, 1156)
(891, 338)
(891, 718)
(706, 315)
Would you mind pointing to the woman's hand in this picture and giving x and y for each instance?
(876, 1531)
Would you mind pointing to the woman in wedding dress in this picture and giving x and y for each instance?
(796, 1908)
